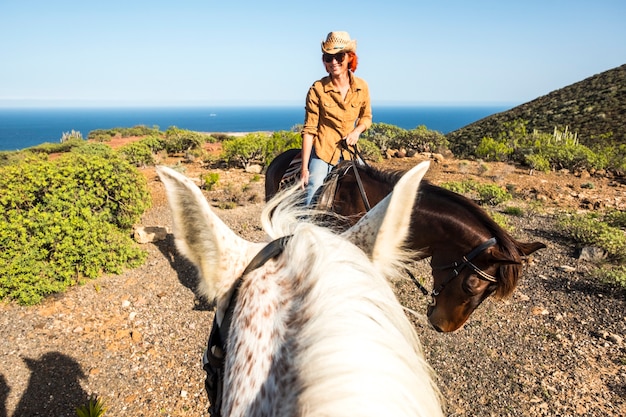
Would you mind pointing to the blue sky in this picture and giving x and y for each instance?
(236, 52)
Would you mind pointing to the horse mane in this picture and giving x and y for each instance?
(509, 274)
(507, 245)
(352, 327)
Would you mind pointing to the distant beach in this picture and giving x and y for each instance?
(25, 127)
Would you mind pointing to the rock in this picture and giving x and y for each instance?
(254, 169)
(438, 158)
(592, 254)
(567, 268)
(150, 234)
(615, 338)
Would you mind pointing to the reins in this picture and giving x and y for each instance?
(458, 266)
(356, 155)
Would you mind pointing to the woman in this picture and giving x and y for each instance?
(337, 108)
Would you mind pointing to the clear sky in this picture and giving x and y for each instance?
(251, 52)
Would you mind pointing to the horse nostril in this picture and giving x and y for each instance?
(439, 329)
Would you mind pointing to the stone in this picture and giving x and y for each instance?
(592, 254)
(150, 234)
(254, 169)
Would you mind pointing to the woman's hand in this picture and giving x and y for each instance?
(304, 177)
(352, 137)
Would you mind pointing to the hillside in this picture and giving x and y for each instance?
(592, 107)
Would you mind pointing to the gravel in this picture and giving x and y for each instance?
(555, 348)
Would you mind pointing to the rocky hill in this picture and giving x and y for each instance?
(592, 107)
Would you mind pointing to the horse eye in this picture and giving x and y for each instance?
(469, 285)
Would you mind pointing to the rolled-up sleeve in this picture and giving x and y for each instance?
(311, 113)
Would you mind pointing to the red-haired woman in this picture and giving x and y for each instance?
(337, 108)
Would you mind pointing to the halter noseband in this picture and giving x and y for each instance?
(457, 266)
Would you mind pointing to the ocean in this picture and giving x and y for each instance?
(25, 127)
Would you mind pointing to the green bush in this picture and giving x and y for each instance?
(137, 153)
(420, 139)
(279, 142)
(65, 220)
(369, 150)
(490, 194)
(181, 140)
(612, 275)
(538, 162)
(616, 218)
(246, 149)
(210, 180)
(588, 229)
(493, 150)
(382, 134)
(105, 135)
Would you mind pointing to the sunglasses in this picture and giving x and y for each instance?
(328, 58)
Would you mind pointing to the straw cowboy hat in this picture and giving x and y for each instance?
(338, 42)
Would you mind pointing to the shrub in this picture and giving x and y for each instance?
(246, 149)
(493, 150)
(137, 154)
(65, 220)
(105, 135)
(513, 211)
(612, 275)
(616, 218)
(382, 134)
(490, 194)
(420, 139)
(181, 140)
(369, 150)
(279, 142)
(589, 230)
(210, 180)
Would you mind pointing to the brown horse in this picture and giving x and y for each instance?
(472, 257)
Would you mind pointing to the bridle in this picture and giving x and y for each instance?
(465, 261)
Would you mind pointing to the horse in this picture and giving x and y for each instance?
(315, 327)
(472, 257)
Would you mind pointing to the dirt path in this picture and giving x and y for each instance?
(556, 348)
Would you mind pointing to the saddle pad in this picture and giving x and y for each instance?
(292, 174)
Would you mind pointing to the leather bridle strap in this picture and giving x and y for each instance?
(458, 266)
(354, 153)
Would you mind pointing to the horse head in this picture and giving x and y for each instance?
(463, 278)
(449, 228)
(315, 328)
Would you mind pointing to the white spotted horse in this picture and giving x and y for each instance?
(314, 327)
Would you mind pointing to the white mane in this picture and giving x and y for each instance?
(318, 330)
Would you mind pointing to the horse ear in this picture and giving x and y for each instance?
(384, 229)
(528, 248)
(218, 253)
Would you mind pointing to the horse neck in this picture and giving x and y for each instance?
(441, 223)
(320, 331)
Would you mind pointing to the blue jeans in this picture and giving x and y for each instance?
(318, 170)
